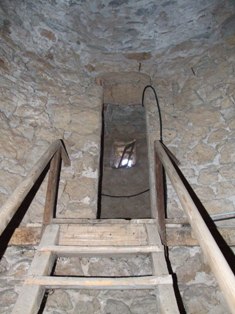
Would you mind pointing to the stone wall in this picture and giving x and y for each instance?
(49, 55)
(46, 95)
(197, 100)
(197, 285)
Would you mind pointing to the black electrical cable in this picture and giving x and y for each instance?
(161, 140)
(158, 107)
(127, 196)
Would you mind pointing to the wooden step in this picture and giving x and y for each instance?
(64, 220)
(65, 250)
(117, 234)
(30, 297)
(145, 282)
(85, 239)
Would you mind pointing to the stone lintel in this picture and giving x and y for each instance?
(123, 88)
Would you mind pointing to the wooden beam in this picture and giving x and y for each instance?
(213, 254)
(145, 282)
(160, 194)
(159, 266)
(102, 221)
(176, 235)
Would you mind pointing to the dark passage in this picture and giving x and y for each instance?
(125, 126)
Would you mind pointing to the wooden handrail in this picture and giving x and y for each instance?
(11, 206)
(210, 249)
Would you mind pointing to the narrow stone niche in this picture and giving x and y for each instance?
(124, 168)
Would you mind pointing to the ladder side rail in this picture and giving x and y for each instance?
(165, 294)
(210, 249)
(160, 198)
(31, 295)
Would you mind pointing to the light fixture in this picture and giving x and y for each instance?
(123, 154)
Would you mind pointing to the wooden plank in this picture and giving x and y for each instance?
(213, 254)
(177, 234)
(158, 259)
(103, 234)
(30, 297)
(101, 221)
(160, 194)
(166, 300)
(64, 250)
(145, 282)
(52, 188)
(164, 293)
(11, 206)
(153, 235)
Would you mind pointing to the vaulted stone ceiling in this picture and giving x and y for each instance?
(107, 31)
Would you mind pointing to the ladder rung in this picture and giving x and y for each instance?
(145, 282)
(64, 250)
(103, 221)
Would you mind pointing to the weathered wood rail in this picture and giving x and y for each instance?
(53, 154)
(210, 249)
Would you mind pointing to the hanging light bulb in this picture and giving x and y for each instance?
(123, 154)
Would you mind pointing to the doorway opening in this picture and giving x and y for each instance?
(124, 186)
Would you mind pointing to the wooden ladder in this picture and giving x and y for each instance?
(99, 238)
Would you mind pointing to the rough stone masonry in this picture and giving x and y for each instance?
(50, 53)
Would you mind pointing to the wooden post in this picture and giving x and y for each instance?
(52, 188)
(159, 179)
(8, 210)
